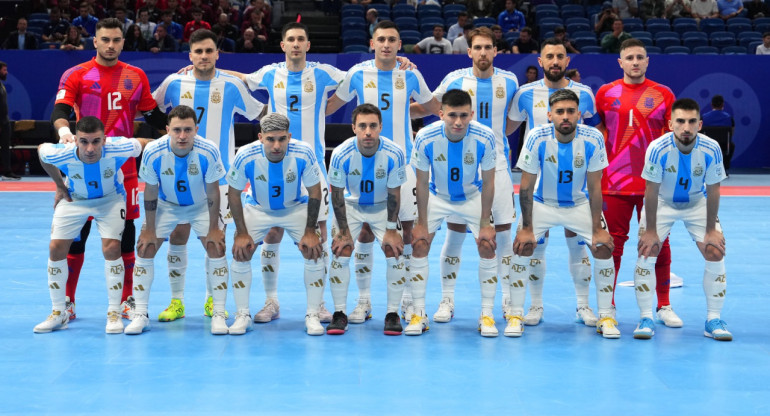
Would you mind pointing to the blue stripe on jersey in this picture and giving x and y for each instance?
(249, 172)
(385, 100)
(92, 173)
(541, 158)
(182, 182)
(294, 103)
(204, 162)
(173, 92)
(480, 152)
(483, 108)
(268, 82)
(156, 166)
(564, 187)
(201, 102)
(275, 181)
(301, 166)
(367, 180)
(455, 170)
(716, 152)
(683, 180)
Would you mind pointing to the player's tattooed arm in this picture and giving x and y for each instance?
(313, 207)
(394, 195)
(338, 204)
(151, 205)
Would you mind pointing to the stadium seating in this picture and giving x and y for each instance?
(484, 21)
(406, 23)
(631, 24)
(705, 50)
(694, 42)
(665, 42)
(677, 50)
(753, 46)
(722, 39)
(454, 8)
(712, 25)
(410, 37)
(686, 25)
(654, 50)
(657, 28)
(588, 50)
(734, 50)
(580, 43)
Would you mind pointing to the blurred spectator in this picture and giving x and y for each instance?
(611, 41)
(120, 14)
(152, 9)
(85, 21)
(764, 48)
(248, 43)
(652, 8)
(677, 8)
(173, 28)
(704, 9)
(116, 4)
(718, 117)
(233, 14)
(435, 44)
(208, 12)
(177, 11)
(757, 8)
(479, 8)
(56, 29)
(625, 8)
(561, 35)
(525, 43)
(227, 28)
(73, 41)
(372, 18)
(224, 44)
(67, 9)
(573, 74)
(5, 128)
(195, 24)
(96, 9)
(261, 6)
(729, 8)
(20, 38)
(162, 41)
(500, 43)
(462, 43)
(531, 75)
(510, 19)
(605, 18)
(134, 40)
(456, 30)
(255, 23)
(144, 23)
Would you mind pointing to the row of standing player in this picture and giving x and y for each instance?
(305, 92)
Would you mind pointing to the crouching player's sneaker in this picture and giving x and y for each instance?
(362, 312)
(219, 324)
(534, 316)
(645, 329)
(174, 311)
(487, 326)
(339, 324)
(55, 321)
(313, 324)
(323, 314)
(242, 323)
(585, 315)
(515, 327)
(607, 326)
(114, 323)
(127, 308)
(208, 308)
(417, 325)
(269, 312)
(139, 324)
(669, 318)
(69, 307)
(717, 329)
(445, 312)
(393, 324)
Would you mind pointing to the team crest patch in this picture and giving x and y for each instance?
(192, 170)
(309, 86)
(400, 83)
(500, 92)
(649, 102)
(380, 173)
(291, 177)
(579, 161)
(698, 171)
(719, 171)
(216, 97)
(127, 84)
(108, 173)
(469, 159)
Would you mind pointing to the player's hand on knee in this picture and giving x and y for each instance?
(392, 244)
(216, 241)
(147, 244)
(61, 194)
(524, 243)
(310, 246)
(342, 244)
(486, 238)
(602, 238)
(714, 246)
(649, 244)
(243, 247)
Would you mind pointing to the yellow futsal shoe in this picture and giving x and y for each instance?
(174, 311)
(208, 308)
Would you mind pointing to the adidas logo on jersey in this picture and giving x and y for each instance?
(261, 178)
(616, 103)
(440, 158)
(470, 92)
(671, 169)
(280, 85)
(370, 84)
(77, 176)
(168, 171)
(96, 86)
(355, 172)
(540, 104)
(187, 96)
(551, 159)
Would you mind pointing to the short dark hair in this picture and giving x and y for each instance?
(717, 101)
(109, 23)
(766, 34)
(3, 64)
(456, 98)
(687, 104)
(366, 108)
(293, 25)
(533, 67)
(553, 42)
(482, 31)
(386, 24)
(630, 43)
(438, 25)
(182, 112)
(559, 29)
(563, 94)
(571, 73)
(462, 14)
(527, 29)
(202, 34)
(89, 124)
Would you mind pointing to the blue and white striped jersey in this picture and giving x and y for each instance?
(531, 104)
(301, 96)
(215, 102)
(454, 166)
(181, 180)
(367, 179)
(275, 185)
(492, 99)
(391, 92)
(92, 180)
(683, 177)
(562, 167)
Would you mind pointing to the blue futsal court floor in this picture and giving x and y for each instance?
(557, 368)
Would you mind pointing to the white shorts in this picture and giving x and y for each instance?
(323, 212)
(259, 221)
(109, 215)
(465, 212)
(408, 208)
(576, 219)
(693, 217)
(170, 215)
(503, 208)
(225, 216)
(375, 215)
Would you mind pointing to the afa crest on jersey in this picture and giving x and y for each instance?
(380, 173)
(309, 86)
(216, 97)
(108, 173)
(400, 83)
(500, 92)
(469, 159)
(698, 171)
(291, 177)
(579, 161)
(192, 169)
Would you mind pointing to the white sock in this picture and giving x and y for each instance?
(450, 262)
(177, 267)
(488, 281)
(580, 269)
(504, 252)
(363, 265)
(339, 281)
(113, 273)
(144, 274)
(217, 275)
(206, 266)
(314, 284)
(518, 283)
(537, 274)
(715, 288)
(270, 265)
(604, 276)
(395, 277)
(57, 284)
(241, 277)
(407, 258)
(419, 282)
(644, 285)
